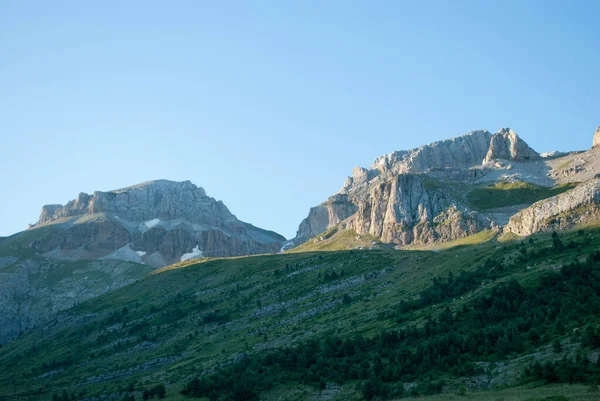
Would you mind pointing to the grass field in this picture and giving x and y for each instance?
(512, 193)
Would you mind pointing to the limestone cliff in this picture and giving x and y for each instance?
(561, 212)
(596, 140)
(326, 215)
(419, 196)
(506, 145)
(405, 210)
(156, 222)
(457, 153)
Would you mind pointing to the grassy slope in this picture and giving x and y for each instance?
(476, 239)
(338, 240)
(184, 320)
(515, 193)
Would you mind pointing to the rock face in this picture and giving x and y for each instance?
(397, 201)
(596, 140)
(405, 210)
(561, 212)
(506, 145)
(419, 196)
(456, 153)
(160, 199)
(156, 222)
(326, 215)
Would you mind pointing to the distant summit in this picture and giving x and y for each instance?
(107, 240)
(156, 222)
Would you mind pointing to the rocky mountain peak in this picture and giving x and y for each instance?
(420, 196)
(155, 222)
(506, 145)
(596, 140)
(460, 152)
(161, 199)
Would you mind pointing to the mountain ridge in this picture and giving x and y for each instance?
(448, 169)
(103, 241)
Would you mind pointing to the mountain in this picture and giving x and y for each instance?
(419, 280)
(458, 187)
(106, 240)
(156, 222)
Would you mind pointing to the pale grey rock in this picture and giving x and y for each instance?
(596, 140)
(412, 197)
(456, 153)
(171, 218)
(553, 154)
(320, 218)
(506, 145)
(561, 212)
(405, 210)
(160, 199)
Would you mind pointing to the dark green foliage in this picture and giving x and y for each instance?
(557, 244)
(443, 289)
(576, 370)
(511, 319)
(333, 275)
(64, 396)
(556, 346)
(158, 391)
(216, 316)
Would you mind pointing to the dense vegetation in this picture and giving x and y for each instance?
(383, 323)
(512, 319)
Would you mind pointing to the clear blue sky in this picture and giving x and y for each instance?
(269, 105)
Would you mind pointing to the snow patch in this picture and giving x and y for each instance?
(196, 253)
(152, 223)
(141, 253)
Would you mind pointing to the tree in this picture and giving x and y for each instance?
(556, 346)
(557, 244)
(369, 389)
(160, 391)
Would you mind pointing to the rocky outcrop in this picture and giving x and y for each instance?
(156, 222)
(596, 140)
(400, 200)
(159, 199)
(561, 212)
(405, 210)
(326, 215)
(456, 153)
(506, 145)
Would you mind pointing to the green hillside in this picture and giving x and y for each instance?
(333, 324)
(512, 193)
